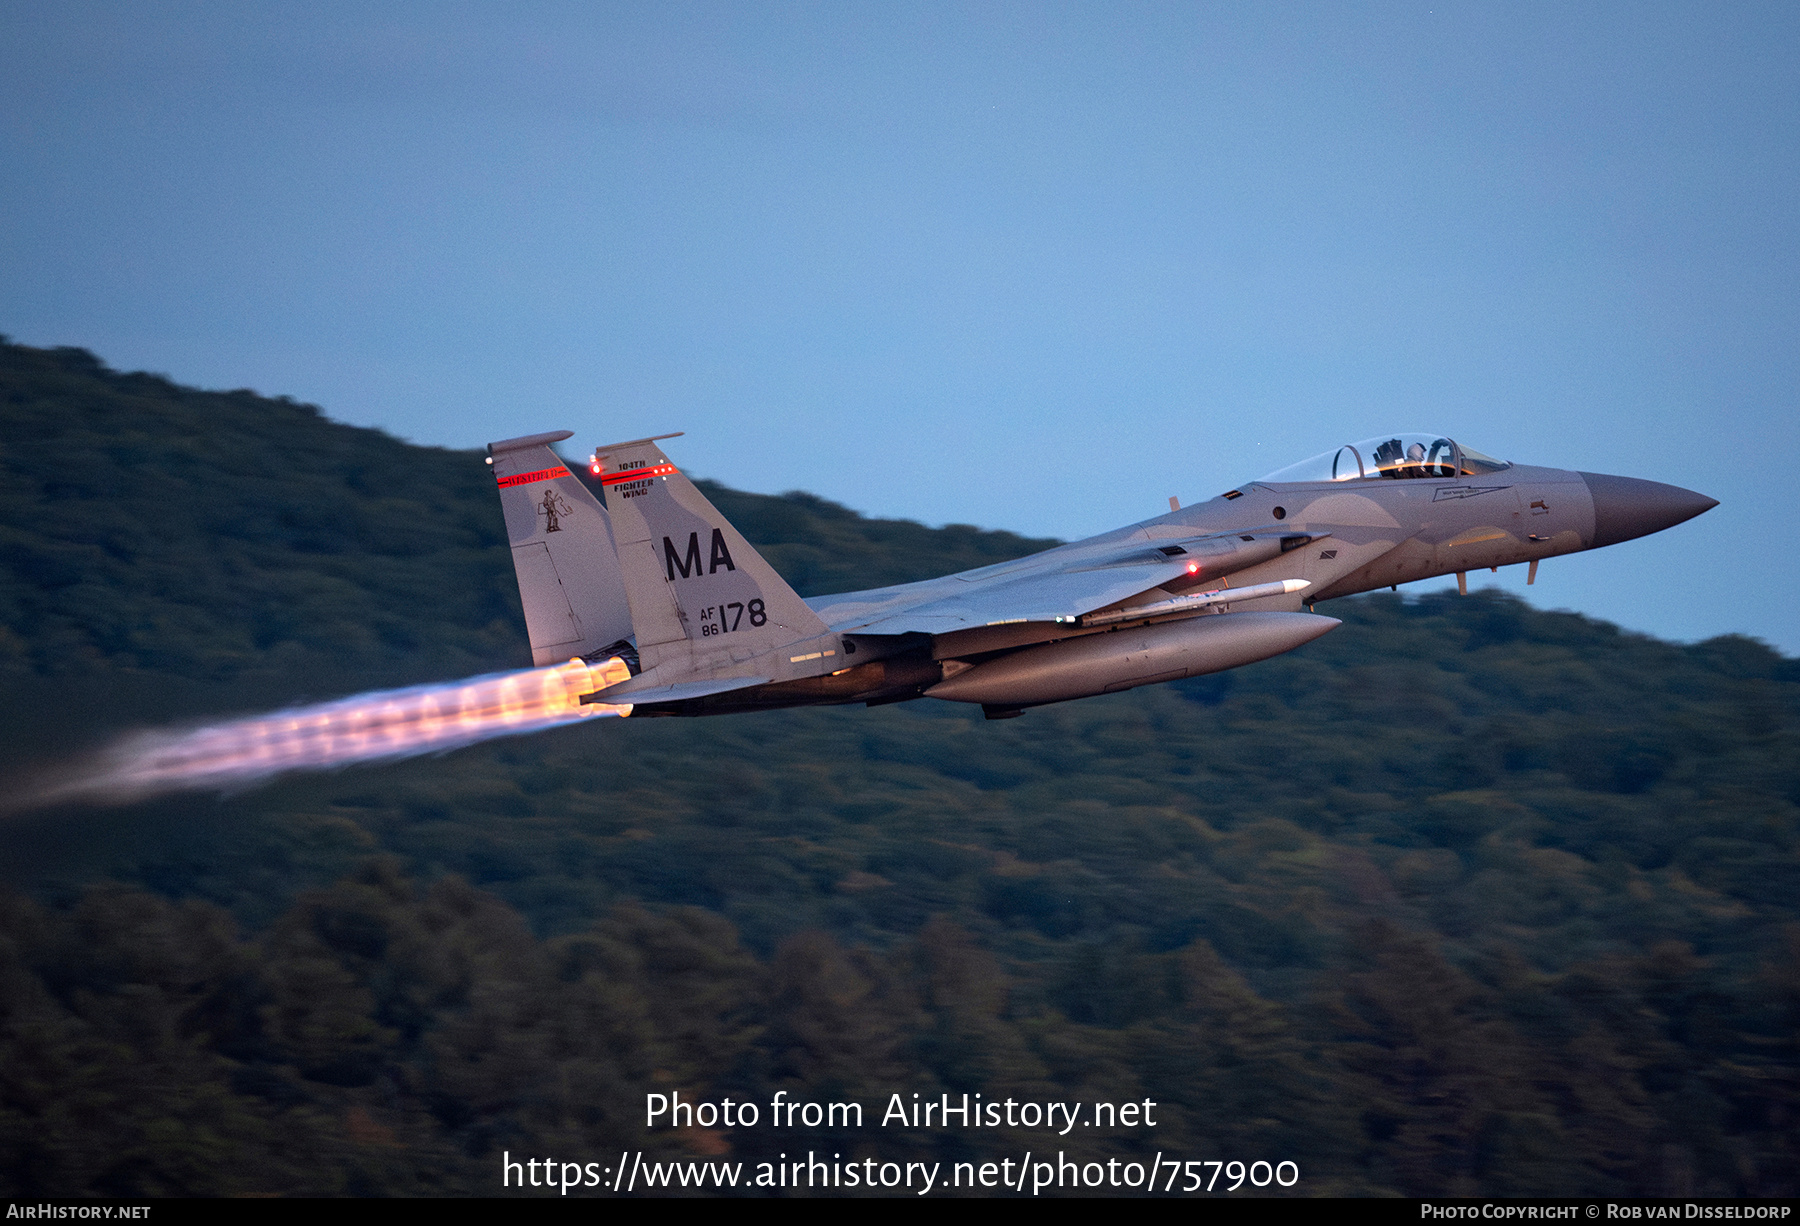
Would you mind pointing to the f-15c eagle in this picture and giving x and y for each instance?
(660, 580)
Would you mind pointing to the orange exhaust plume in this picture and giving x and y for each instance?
(366, 728)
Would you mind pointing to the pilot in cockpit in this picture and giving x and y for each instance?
(1391, 457)
(1395, 459)
(1387, 457)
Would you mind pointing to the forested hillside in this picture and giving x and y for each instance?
(1465, 897)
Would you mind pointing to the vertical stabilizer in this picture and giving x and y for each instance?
(562, 550)
(703, 602)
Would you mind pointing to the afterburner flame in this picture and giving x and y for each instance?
(385, 724)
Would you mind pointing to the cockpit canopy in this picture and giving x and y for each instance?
(1390, 456)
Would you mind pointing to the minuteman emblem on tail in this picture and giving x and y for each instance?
(705, 606)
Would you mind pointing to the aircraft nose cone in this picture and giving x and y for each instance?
(1625, 507)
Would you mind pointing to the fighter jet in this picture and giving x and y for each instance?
(658, 579)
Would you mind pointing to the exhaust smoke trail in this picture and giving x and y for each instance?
(365, 728)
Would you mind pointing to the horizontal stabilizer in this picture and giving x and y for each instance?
(679, 692)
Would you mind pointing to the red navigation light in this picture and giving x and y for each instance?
(1193, 568)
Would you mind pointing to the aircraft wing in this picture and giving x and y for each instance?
(1059, 583)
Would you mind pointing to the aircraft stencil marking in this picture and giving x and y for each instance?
(552, 508)
(640, 472)
(689, 563)
(723, 619)
(1466, 491)
(544, 474)
(655, 577)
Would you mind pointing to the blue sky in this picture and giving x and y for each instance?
(1026, 266)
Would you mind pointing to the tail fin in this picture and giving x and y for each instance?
(703, 602)
(563, 553)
